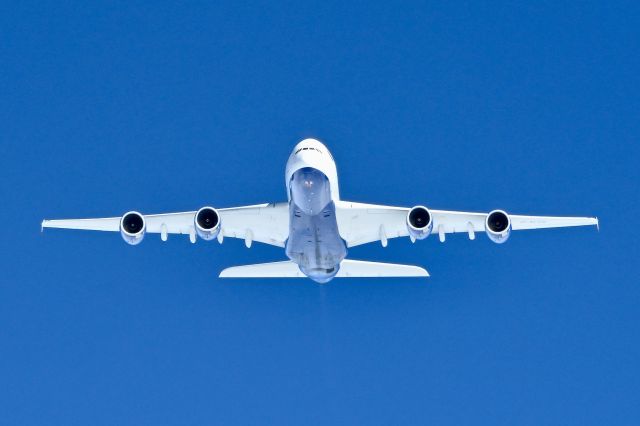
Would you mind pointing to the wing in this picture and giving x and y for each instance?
(364, 223)
(265, 223)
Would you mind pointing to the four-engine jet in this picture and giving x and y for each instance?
(315, 227)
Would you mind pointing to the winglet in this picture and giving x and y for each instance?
(597, 224)
(42, 225)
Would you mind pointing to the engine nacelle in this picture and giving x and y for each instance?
(207, 223)
(498, 226)
(419, 222)
(132, 227)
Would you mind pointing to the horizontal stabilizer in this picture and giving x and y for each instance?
(361, 268)
(286, 269)
(348, 269)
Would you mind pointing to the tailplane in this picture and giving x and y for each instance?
(360, 268)
(286, 269)
(348, 269)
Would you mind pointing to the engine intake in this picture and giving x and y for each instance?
(419, 222)
(498, 226)
(132, 227)
(207, 223)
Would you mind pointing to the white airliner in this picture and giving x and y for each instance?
(315, 227)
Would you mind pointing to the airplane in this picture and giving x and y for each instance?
(316, 227)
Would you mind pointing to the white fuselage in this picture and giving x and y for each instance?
(314, 241)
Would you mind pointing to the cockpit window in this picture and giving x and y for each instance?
(308, 148)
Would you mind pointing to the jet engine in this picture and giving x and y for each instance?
(419, 222)
(132, 227)
(207, 223)
(498, 226)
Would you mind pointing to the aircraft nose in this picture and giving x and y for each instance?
(310, 143)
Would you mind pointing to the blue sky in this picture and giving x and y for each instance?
(532, 108)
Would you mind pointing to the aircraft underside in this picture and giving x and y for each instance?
(314, 242)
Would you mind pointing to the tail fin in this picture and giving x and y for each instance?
(348, 269)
